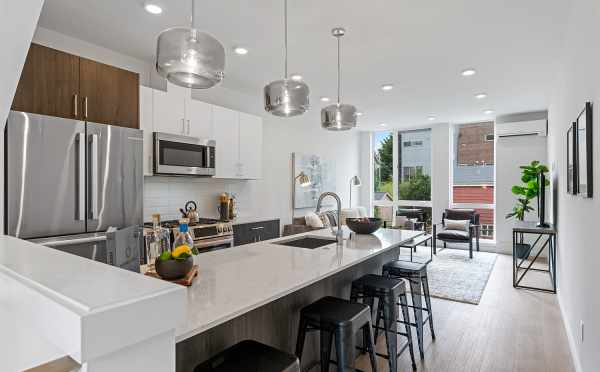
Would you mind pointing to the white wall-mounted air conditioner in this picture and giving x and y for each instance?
(522, 128)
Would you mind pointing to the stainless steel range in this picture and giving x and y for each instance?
(208, 234)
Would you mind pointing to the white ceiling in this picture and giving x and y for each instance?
(419, 46)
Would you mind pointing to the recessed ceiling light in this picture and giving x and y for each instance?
(324, 99)
(387, 87)
(480, 95)
(383, 124)
(240, 50)
(152, 8)
(296, 77)
(468, 72)
(489, 111)
(358, 113)
(431, 118)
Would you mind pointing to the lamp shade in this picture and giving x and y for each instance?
(355, 181)
(303, 179)
(190, 58)
(286, 97)
(338, 117)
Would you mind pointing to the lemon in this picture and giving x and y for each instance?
(179, 250)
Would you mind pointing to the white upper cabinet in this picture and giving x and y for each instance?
(238, 135)
(250, 146)
(226, 134)
(198, 119)
(147, 126)
(169, 110)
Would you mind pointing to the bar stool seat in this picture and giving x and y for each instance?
(399, 268)
(416, 274)
(340, 319)
(250, 356)
(387, 291)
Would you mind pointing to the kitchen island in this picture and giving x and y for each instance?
(256, 291)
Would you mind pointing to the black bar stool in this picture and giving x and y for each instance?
(250, 356)
(387, 291)
(416, 274)
(340, 318)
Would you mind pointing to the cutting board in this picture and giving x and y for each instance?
(186, 280)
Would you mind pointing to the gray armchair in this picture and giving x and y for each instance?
(448, 235)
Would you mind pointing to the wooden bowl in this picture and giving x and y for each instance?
(173, 269)
(364, 225)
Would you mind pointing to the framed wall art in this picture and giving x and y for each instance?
(571, 160)
(585, 153)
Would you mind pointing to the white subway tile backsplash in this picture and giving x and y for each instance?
(165, 195)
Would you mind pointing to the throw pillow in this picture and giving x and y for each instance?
(324, 219)
(313, 220)
(461, 225)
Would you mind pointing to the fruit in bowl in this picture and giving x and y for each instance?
(171, 265)
(364, 225)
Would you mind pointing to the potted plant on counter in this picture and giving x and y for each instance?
(530, 189)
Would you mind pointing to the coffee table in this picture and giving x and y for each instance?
(412, 245)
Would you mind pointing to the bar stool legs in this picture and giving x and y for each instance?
(425, 282)
(415, 294)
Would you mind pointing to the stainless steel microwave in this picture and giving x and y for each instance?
(183, 156)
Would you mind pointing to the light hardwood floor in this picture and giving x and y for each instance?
(510, 330)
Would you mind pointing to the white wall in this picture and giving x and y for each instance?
(578, 253)
(441, 162)
(18, 20)
(512, 152)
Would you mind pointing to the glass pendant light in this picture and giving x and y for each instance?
(287, 97)
(338, 116)
(190, 58)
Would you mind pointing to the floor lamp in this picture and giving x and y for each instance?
(354, 181)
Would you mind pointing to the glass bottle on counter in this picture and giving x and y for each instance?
(183, 236)
(157, 241)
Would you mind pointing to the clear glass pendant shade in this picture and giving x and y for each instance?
(338, 117)
(189, 58)
(286, 98)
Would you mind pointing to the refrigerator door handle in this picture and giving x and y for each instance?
(67, 242)
(80, 169)
(94, 176)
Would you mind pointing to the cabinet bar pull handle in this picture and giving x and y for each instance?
(183, 126)
(75, 104)
(85, 107)
(189, 127)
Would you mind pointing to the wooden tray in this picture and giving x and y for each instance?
(186, 280)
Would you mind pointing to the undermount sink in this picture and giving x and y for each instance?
(307, 241)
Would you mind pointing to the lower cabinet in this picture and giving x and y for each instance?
(255, 232)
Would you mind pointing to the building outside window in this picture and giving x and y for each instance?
(414, 165)
(473, 179)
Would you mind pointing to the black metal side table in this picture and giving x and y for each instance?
(416, 241)
(545, 237)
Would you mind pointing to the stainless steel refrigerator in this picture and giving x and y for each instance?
(67, 181)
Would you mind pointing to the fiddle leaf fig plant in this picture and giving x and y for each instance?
(529, 190)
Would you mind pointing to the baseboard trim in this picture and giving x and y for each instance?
(570, 336)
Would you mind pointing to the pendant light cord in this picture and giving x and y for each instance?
(285, 26)
(338, 66)
(193, 9)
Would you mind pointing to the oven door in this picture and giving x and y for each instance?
(181, 155)
(213, 244)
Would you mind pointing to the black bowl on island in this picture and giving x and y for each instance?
(364, 225)
(173, 269)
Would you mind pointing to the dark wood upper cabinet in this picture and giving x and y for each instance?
(110, 95)
(61, 84)
(49, 83)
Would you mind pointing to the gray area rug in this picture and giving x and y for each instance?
(453, 276)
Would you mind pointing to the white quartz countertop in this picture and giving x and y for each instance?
(234, 281)
(79, 283)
